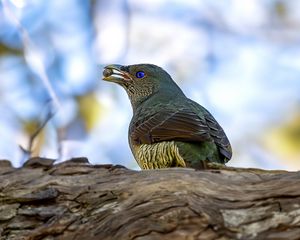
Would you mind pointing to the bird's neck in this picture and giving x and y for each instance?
(160, 97)
(138, 97)
(137, 102)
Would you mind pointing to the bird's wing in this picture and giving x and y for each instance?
(218, 135)
(182, 125)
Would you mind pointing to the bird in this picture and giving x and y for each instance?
(167, 128)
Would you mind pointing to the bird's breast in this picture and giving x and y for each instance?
(158, 155)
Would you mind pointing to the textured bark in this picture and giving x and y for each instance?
(76, 200)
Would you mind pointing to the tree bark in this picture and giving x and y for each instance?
(77, 200)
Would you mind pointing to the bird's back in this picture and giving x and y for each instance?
(176, 132)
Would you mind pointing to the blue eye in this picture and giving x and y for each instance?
(140, 74)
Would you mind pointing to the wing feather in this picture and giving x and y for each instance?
(181, 125)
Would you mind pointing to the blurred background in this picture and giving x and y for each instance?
(239, 59)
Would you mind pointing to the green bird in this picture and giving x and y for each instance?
(167, 128)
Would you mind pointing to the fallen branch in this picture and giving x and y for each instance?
(76, 200)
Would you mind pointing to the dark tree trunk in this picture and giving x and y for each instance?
(76, 200)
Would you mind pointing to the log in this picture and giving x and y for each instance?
(77, 200)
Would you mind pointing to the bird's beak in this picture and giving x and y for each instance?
(113, 73)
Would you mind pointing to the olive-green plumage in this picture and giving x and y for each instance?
(167, 128)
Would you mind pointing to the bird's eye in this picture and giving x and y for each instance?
(140, 74)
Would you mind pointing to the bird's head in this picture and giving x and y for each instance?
(141, 81)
